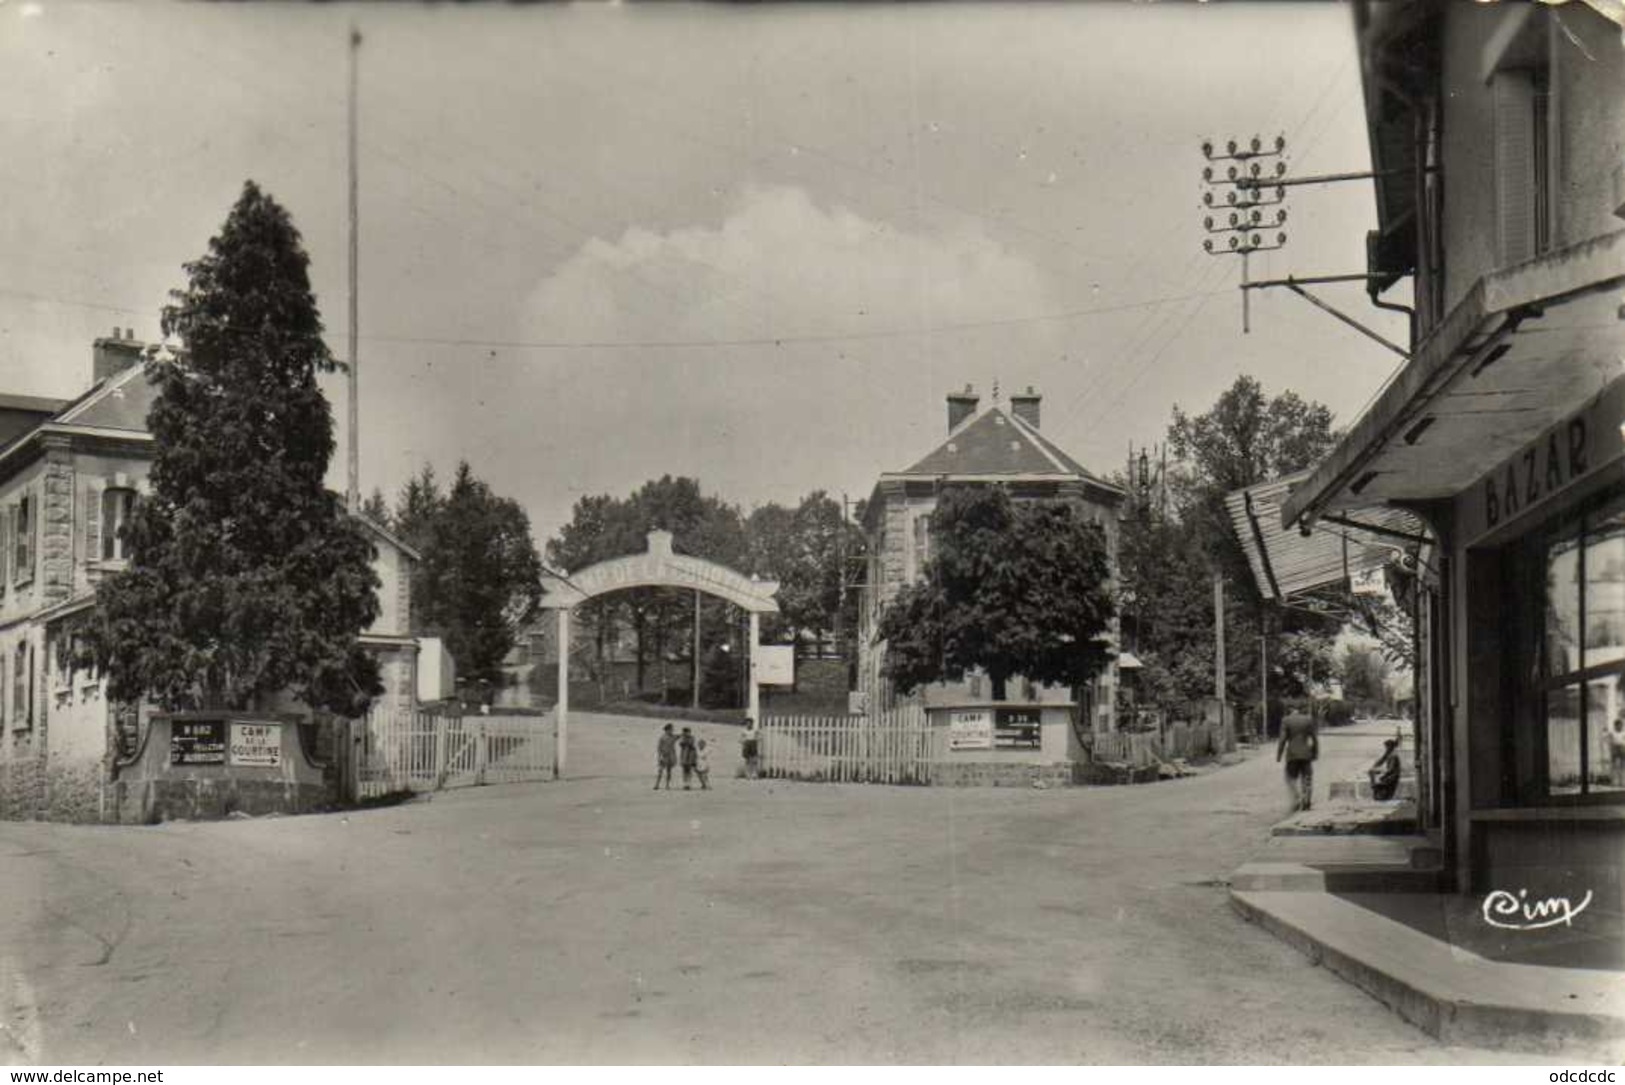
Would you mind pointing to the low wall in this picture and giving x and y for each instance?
(1002, 774)
(22, 789)
(52, 789)
(203, 766)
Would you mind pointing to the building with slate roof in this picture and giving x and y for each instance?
(70, 473)
(996, 444)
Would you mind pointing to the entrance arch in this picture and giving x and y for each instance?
(657, 566)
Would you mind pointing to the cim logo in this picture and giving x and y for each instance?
(1519, 913)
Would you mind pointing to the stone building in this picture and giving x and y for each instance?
(1498, 141)
(996, 444)
(70, 472)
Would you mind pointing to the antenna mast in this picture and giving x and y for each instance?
(353, 493)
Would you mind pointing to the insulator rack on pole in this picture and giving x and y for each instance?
(1246, 209)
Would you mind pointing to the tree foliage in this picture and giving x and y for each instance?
(1364, 672)
(480, 578)
(660, 620)
(1167, 601)
(1169, 558)
(246, 577)
(807, 549)
(1011, 588)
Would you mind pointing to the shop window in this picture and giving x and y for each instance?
(1584, 656)
(118, 503)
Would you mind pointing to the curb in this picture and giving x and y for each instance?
(1452, 1020)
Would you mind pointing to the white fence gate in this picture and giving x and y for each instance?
(895, 747)
(414, 751)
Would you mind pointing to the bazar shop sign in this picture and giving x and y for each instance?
(1546, 467)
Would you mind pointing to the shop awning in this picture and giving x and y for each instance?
(1526, 346)
(1345, 545)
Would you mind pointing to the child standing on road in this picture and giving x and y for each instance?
(750, 748)
(702, 765)
(687, 754)
(665, 756)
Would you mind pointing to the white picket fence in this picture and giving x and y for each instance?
(1142, 749)
(895, 747)
(413, 751)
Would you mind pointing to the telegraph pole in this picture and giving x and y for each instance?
(1244, 184)
(1263, 683)
(353, 494)
(840, 596)
(1218, 635)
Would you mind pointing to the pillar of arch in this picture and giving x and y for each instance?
(657, 566)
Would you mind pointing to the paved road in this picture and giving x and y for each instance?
(595, 921)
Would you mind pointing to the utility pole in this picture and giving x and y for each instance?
(1245, 185)
(353, 494)
(696, 694)
(1218, 635)
(840, 595)
(1263, 680)
(1162, 483)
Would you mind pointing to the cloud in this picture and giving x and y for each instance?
(781, 404)
(780, 265)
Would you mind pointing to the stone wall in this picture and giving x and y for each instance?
(73, 791)
(1002, 774)
(56, 525)
(22, 789)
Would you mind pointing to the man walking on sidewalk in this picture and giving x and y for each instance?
(1300, 744)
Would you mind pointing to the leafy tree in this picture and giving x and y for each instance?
(1012, 588)
(1246, 438)
(1303, 661)
(481, 577)
(803, 549)
(376, 508)
(246, 576)
(1364, 672)
(661, 619)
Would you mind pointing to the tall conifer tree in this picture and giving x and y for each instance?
(246, 575)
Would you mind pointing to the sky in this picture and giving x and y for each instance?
(753, 244)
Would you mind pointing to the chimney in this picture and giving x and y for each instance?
(1025, 406)
(961, 405)
(115, 354)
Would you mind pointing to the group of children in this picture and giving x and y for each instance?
(672, 750)
(686, 750)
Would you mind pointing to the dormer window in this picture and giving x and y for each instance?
(118, 502)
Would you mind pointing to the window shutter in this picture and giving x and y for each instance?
(92, 544)
(1514, 94)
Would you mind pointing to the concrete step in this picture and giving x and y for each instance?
(1360, 790)
(1287, 877)
(1388, 849)
(1347, 817)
